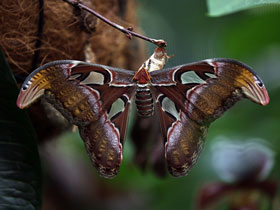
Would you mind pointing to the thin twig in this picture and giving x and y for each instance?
(127, 31)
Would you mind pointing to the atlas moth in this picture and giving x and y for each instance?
(187, 98)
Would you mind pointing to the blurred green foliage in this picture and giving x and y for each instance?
(220, 7)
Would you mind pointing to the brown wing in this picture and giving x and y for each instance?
(190, 97)
(94, 97)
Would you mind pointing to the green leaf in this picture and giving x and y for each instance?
(221, 7)
(20, 171)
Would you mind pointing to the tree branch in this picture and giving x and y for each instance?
(128, 31)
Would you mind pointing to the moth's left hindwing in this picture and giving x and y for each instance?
(96, 98)
(191, 96)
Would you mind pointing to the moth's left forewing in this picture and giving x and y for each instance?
(190, 97)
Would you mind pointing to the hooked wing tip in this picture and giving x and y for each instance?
(254, 89)
(28, 96)
(19, 101)
(257, 94)
(265, 99)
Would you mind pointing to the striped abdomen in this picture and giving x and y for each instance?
(144, 101)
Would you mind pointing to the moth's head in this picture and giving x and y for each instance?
(160, 53)
(255, 90)
(32, 89)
